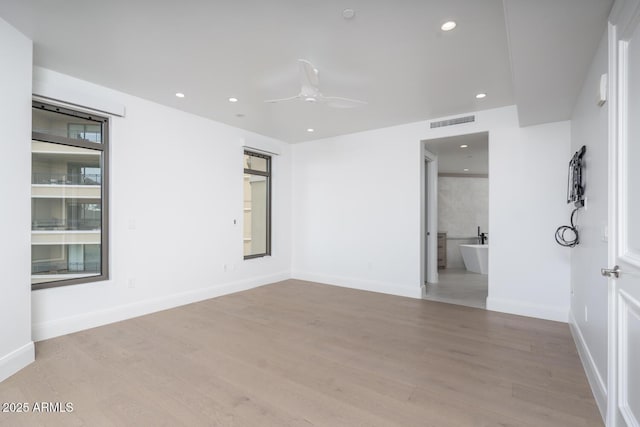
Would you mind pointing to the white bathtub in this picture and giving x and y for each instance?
(476, 258)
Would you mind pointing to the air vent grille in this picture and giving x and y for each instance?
(451, 122)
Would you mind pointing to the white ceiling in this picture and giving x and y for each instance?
(392, 54)
(454, 159)
(552, 44)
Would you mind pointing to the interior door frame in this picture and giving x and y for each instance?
(612, 341)
(429, 217)
(623, 21)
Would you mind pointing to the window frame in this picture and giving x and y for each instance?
(103, 147)
(267, 175)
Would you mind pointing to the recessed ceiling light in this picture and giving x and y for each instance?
(180, 94)
(311, 130)
(348, 13)
(232, 99)
(481, 95)
(448, 26)
(464, 146)
(465, 169)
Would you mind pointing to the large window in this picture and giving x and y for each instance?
(257, 205)
(69, 152)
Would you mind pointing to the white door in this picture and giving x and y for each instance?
(624, 216)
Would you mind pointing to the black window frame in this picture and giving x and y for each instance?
(266, 174)
(103, 147)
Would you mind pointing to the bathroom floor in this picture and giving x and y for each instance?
(458, 286)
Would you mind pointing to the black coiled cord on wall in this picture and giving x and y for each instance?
(568, 241)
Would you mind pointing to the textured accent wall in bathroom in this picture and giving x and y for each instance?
(463, 205)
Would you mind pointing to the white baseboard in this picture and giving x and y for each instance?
(54, 328)
(16, 360)
(598, 386)
(365, 285)
(559, 314)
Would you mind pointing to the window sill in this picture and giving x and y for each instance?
(261, 256)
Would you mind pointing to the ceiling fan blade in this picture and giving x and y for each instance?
(308, 75)
(291, 98)
(339, 102)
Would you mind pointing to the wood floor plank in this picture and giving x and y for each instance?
(299, 354)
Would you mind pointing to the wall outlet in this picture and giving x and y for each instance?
(132, 224)
(586, 314)
(131, 283)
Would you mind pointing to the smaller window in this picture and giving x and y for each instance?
(257, 205)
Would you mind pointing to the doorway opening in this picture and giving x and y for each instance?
(456, 219)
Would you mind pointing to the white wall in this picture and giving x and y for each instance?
(176, 189)
(463, 205)
(357, 211)
(528, 270)
(589, 126)
(16, 347)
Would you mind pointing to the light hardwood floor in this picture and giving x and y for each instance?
(304, 354)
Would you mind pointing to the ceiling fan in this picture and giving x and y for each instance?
(310, 92)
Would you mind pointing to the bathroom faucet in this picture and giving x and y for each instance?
(482, 237)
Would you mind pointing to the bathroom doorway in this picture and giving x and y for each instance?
(462, 220)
